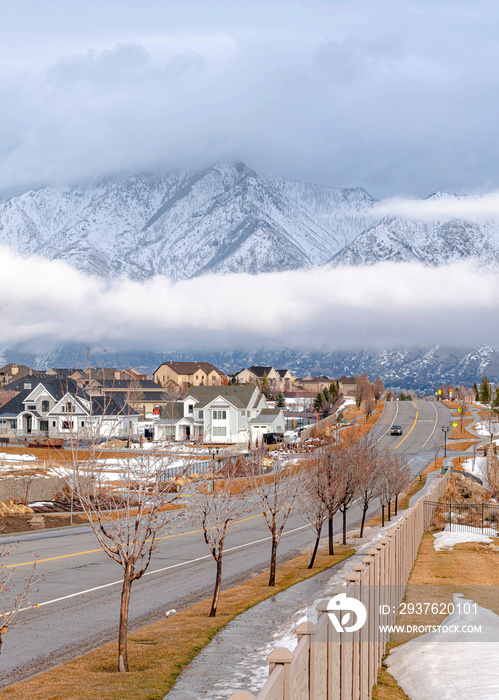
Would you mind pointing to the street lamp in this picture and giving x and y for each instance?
(445, 430)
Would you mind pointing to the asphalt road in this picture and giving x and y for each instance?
(80, 591)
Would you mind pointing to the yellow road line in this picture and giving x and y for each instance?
(93, 551)
(412, 428)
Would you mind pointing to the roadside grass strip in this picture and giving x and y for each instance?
(159, 652)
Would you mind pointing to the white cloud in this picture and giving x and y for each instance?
(442, 207)
(47, 303)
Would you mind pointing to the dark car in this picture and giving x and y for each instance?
(396, 430)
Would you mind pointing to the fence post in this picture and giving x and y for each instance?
(281, 655)
(309, 629)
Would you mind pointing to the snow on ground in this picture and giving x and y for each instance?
(7, 457)
(450, 664)
(446, 539)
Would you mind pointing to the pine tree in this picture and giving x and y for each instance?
(477, 394)
(318, 401)
(485, 390)
(333, 391)
(264, 385)
(280, 400)
(326, 395)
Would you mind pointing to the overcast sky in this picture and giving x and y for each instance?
(399, 97)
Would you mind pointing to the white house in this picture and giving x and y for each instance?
(218, 414)
(57, 407)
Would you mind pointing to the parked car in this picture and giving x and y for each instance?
(396, 430)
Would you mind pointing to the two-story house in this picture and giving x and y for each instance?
(255, 374)
(57, 407)
(219, 415)
(184, 374)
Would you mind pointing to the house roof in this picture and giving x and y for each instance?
(321, 378)
(282, 372)
(190, 367)
(266, 415)
(133, 385)
(58, 388)
(347, 380)
(64, 372)
(22, 370)
(172, 412)
(238, 396)
(260, 371)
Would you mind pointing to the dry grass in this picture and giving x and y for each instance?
(159, 652)
(460, 446)
(471, 569)
(460, 432)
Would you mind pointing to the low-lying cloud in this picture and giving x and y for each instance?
(442, 207)
(46, 303)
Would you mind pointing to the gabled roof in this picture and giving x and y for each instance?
(283, 372)
(347, 380)
(238, 396)
(133, 385)
(173, 411)
(260, 371)
(22, 370)
(266, 415)
(190, 367)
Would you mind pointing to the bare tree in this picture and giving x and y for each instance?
(315, 498)
(369, 405)
(126, 516)
(348, 455)
(363, 387)
(400, 478)
(462, 409)
(491, 425)
(378, 388)
(368, 474)
(493, 473)
(274, 494)
(216, 509)
(12, 602)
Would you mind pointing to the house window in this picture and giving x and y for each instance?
(243, 413)
(82, 424)
(53, 423)
(200, 414)
(67, 424)
(219, 415)
(191, 408)
(31, 407)
(45, 406)
(248, 413)
(220, 431)
(13, 424)
(27, 385)
(197, 378)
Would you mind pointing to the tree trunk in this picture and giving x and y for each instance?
(389, 510)
(396, 504)
(218, 582)
(330, 537)
(364, 513)
(382, 516)
(122, 637)
(314, 553)
(273, 558)
(344, 512)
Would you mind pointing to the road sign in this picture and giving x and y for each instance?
(440, 391)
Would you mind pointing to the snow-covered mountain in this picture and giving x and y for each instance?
(225, 218)
(431, 241)
(405, 368)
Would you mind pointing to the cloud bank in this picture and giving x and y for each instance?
(45, 303)
(395, 97)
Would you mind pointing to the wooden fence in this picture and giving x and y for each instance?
(332, 665)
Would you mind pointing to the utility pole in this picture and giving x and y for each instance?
(445, 430)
